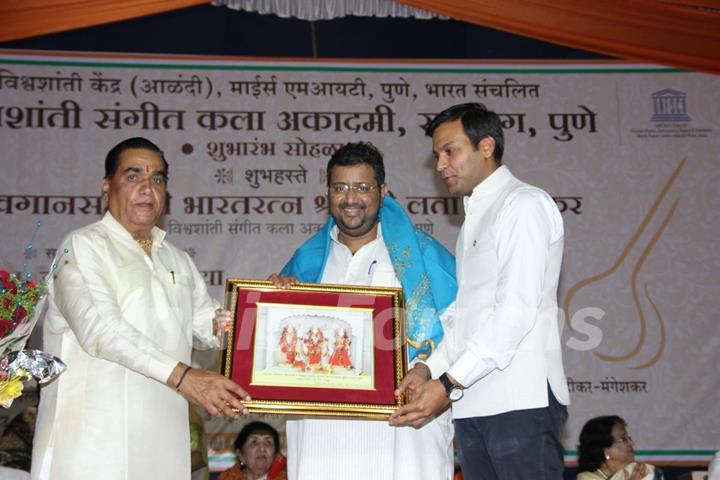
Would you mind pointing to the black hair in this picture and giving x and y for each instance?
(356, 154)
(254, 428)
(595, 437)
(478, 122)
(112, 160)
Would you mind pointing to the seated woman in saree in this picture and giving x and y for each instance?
(607, 451)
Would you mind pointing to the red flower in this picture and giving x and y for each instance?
(5, 280)
(6, 326)
(20, 313)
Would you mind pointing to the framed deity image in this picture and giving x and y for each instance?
(316, 349)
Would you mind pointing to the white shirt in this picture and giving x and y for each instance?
(121, 321)
(325, 449)
(524, 232)
(370, 265)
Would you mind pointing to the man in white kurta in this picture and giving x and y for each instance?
(361, 449)
(124, 308)
(354, 248)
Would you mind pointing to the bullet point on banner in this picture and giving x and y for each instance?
(187, 149)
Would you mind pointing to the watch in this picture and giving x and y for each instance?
(454, 392)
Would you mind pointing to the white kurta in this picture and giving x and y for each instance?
(121, 321)
(321, 449)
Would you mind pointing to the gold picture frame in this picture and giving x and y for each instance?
(316, 349)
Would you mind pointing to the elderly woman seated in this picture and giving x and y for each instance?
(257, 447)
(607, 451)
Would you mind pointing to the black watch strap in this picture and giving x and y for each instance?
(454, 392)
(445, 380)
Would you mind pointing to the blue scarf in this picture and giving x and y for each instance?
(424, 267)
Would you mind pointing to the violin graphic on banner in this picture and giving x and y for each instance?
(633, 314)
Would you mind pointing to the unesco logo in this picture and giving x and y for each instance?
(670, 106)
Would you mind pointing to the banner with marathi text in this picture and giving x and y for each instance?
(629, 152)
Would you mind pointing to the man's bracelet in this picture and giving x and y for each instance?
(182, 377)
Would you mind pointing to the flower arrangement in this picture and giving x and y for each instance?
(20, 298)
(21, 301)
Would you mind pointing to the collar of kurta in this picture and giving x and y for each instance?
(157, 234)
(496, 181)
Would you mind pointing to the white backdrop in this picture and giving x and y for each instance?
(629, 152)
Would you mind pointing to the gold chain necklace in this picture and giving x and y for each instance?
(145, 244)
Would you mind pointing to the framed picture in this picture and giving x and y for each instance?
(316, 349)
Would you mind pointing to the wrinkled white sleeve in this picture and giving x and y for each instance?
(83, 292)
(526, 226)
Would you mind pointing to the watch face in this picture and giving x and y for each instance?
(455, 394)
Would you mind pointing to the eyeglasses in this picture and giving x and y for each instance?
(626, 439)
(343, 188)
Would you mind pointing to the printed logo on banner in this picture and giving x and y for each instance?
(670, 106)
(669, 117)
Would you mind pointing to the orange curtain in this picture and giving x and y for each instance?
(681, 33)
(29, 18)
(677, 33)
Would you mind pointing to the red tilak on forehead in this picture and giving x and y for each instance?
(147, 169)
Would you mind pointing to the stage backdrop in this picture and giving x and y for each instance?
(628, 152)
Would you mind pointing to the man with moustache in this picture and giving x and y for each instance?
(500, 362)
(124, 308)
(370, 240)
